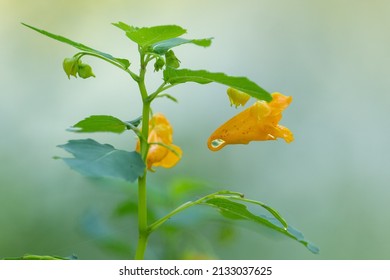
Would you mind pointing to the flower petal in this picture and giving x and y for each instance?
(171, 158)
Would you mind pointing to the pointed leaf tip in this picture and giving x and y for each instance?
(147, 36)
(124, 63)
(99, 123)
(163, 46)
(234, 210)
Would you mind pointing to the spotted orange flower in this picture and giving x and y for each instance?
(259, 122)
(161, 150)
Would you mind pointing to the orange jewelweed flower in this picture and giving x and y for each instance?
(161, 150)
(259, 122)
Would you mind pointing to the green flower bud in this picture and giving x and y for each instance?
(71, 66)
(85, 71)
(171, 59)
(159, 64)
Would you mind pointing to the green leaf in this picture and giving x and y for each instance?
(99, 123)
(122, 62)
(234, 210)
(125, 27)
(147, 36)
(163, 46)
(102, 160)
(268, 208)
(41, 258)
(177, 76)
(222, 200)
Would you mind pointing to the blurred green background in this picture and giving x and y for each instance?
(332, 182)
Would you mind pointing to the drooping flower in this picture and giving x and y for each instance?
(161, 150)
(259, 122)
(237, 98)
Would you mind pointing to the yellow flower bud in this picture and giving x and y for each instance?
(237, 98)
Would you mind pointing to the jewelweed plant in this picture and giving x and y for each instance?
(155, 146)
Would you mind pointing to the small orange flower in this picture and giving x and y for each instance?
(259, 122)
(161, 150)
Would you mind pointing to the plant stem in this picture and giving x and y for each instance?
(142, 218)
(143, 232)
(142, 198)
(133, 75)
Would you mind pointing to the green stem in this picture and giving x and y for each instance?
(132, 74)
(145, 109)
(182, 207)
(160, 89)
(143, 232)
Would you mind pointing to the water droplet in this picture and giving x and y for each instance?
(217, 143)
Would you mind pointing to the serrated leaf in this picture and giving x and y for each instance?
(102, 160)
(177, 76)
(147, 36)
(163, 46)
(125, 27)
(123, 62)
(205, 42)
(100, 123)
(235, 210)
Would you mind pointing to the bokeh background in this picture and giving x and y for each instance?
(332, 182)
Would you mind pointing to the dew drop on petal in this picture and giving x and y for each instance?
(217, 143)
